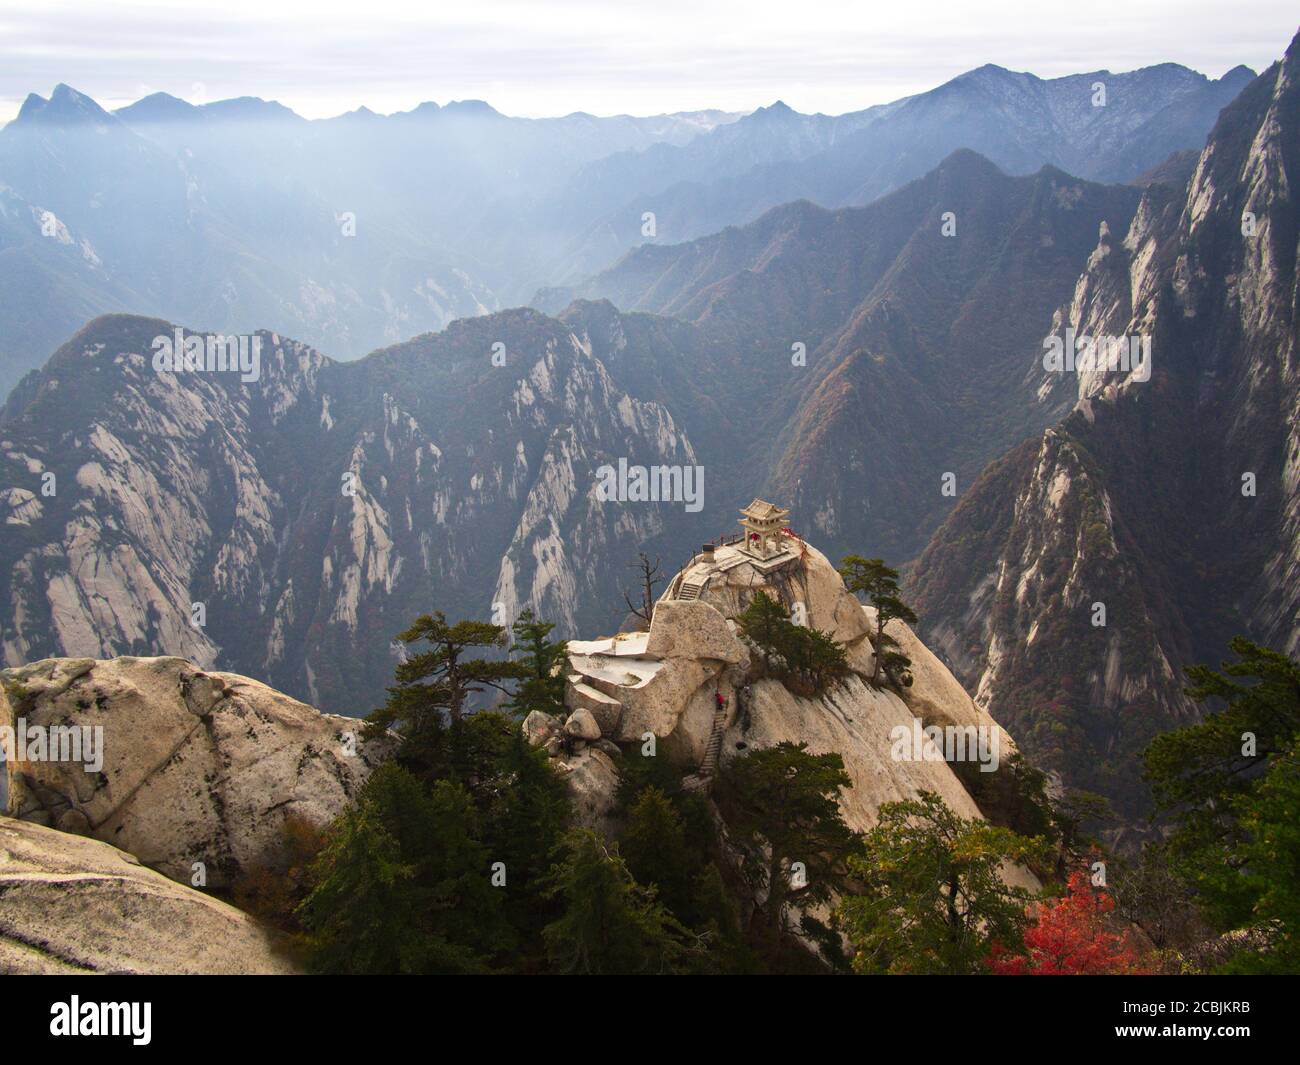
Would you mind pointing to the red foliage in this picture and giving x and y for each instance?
(1069, 938)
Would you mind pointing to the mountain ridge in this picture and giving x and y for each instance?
(1170, 501)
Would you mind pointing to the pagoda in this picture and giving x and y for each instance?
(763, 522)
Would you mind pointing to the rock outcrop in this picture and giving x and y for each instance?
(665, 684)
(74, 905)
(196, 769)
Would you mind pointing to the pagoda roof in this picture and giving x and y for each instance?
(762, 510)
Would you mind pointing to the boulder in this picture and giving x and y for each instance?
(581, 725)
(539, 727)
(692, 629)
(605, 709)
(196, 767)
(657, 704)
(592, 779)
(75, 905)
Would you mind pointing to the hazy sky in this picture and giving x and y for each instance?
(550, 57)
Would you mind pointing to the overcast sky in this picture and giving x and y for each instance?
(550, 57)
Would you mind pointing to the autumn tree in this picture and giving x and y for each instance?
(1068, 937)
(870, 577)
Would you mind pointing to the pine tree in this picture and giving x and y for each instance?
(610, 924)
(929, 892)
(1209, 777)
(806, 659)
(763, 623)
(433, 685)
(524, 826)
(718, 916)
(782, 803)
(403, 884)
(872, 578)
(654, 846)
(541, 687)
(362, 916)
(1271, 863)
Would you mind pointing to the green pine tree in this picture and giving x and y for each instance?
(610, 923)
(782, 803)
(434, 685)
(403, 884)
(764, 623)
(524, 826)
(929, 893)
(654, 846)
(807, 660)
(870, 577)
(541, 687)
(1225, 783)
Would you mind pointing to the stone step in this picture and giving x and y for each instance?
(709, 763)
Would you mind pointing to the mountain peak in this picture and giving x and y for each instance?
(967, 163)
(158, 107)
(1241, 73)
(65, 106)
(778, 110)
(472, 107)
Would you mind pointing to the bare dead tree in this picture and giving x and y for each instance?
(648, 577)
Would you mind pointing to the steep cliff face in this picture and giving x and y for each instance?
(848, 360)
(289, 526)
(1089, 567)
(194, 773)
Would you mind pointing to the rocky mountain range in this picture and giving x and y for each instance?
(362, 230)
(315, 510)
(873, 360)
(1101, 126)
(1168, 497)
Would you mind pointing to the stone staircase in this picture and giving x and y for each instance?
(702, 778)
(709, 763)
(690, 590)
